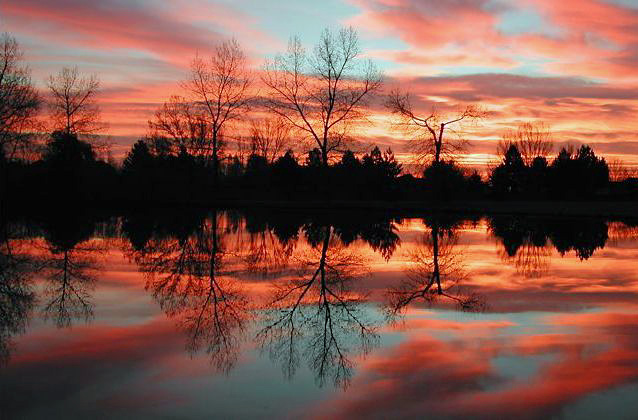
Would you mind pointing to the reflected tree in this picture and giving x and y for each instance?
(317, 316)
(186, 276)
(526, 240)
(266, 254)
(435, 273)
(16, 295)
(527, 249)
(71, 266)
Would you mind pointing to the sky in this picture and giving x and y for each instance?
(572, 64)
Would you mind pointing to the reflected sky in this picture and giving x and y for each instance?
(333, 315)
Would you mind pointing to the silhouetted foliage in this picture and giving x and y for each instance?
(583, 236)
(446, 180)
(570, 175)
(510, 177)
(578, 175)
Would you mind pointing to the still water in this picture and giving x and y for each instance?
(229, 314)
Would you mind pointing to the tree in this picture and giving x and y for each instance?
(186, 273)
(322, 94)
(427, 130)
(579, 174)
(619, 171)
(66, 152)
(19, 100)
(139, 159)
(531, 139)
(444, 180)
(184, 124)
(73, 104)
(220, 86)
(269, 137)
(383, 165)
(510, 177)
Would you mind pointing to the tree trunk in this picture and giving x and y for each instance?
(436, 272)
(215, 160)
(324, 156)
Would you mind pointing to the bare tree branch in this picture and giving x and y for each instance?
(323, 93)
(73, 105)
(427, 131)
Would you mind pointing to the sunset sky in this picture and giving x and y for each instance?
(572, 63)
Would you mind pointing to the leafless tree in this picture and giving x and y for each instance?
(73, 102)
(324, 93)
(19, 100)
(532, 139)
(270, 137)
(184, 124)
(427, 131)
(220, 85)
(619, 171)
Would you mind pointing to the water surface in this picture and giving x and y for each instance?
(184, 314)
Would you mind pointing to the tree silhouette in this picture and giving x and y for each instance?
(532, 139)
(511, 176)
(526, 240)
(184, 125)
(16, 295)
(324, 93)
(73, 105)
(70, 266)
(269, 138)
(579, 174)
(220, 86)
(427, 131)
(19, 101)
(139, 159)
(525, 244)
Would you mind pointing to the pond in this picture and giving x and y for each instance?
(243, 314)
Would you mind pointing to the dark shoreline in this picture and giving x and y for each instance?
(613, 209)
(543, 208)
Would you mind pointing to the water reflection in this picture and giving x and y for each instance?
(185, 272)
(71, 267)
(317, 296)
(16, 294)
(316, 315)
(530, 235)
(436, 271)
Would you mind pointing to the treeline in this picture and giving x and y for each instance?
(70, 171)
(301, 150)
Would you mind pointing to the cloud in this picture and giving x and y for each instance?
(457, 377)
(172, 33)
